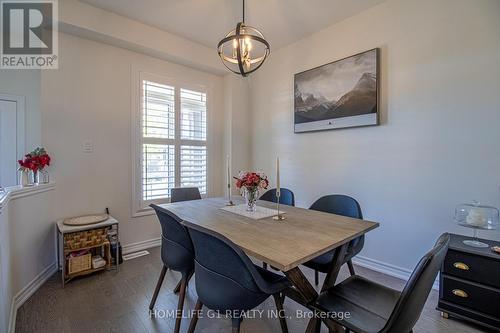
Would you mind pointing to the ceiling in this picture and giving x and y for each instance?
(206, 21)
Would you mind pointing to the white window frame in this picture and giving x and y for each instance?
(20, 124)
(140, 207)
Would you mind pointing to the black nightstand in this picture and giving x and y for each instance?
(469, 285)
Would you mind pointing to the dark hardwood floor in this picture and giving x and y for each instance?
(118, 302)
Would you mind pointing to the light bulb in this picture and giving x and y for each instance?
(248, 43)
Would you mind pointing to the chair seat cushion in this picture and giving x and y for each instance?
(274, 281)
(322, 262)
(368, 303)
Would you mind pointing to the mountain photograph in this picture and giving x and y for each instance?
(345, 88)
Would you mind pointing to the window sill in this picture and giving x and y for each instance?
(143, 212)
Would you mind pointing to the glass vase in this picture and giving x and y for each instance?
(24, 178)
(33, 178)
(43, 176)
(251, 196)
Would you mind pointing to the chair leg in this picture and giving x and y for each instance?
(194, 320)
(180, 306)
(314, 326)
(333, 327)
(316, 277)
(351, 267)
(158, 286)
(178, 286)
(236, 323)
(264, 265)
(281, 312)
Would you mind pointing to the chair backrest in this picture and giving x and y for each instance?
(346, 206)
(176, 247)
(225, 276)
(185, 194)
(412, 299)
(338, 204)
(286, 196)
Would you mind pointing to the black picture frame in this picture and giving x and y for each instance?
(340, 94)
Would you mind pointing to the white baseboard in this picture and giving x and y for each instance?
(388, 269)
(25, 293)
(139, 246)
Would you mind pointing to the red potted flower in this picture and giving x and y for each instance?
(249, 184)
(33, 165)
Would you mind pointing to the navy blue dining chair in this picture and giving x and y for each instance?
(340, 205)
(179, 194)
(227, 281)
(177, 254)
(373, 307)
(286, 196)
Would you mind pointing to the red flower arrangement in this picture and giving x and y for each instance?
(37, 160)
(251, 180)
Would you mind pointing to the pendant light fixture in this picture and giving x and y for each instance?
(244, 49)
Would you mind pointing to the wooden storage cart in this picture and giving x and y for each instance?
(91, 237)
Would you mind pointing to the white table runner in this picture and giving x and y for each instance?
(260, 213)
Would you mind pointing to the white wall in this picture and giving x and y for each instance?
(89, 98)
(439, 142)
(27, 247)
(237, 131)
(5, 260)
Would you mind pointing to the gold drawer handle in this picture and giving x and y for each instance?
(461, 265)
(460, 293)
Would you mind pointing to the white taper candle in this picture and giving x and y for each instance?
(228, 176)
(277, 176)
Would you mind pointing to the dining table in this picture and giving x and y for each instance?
(285, 244)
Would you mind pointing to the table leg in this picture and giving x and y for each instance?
(302, 285)
(334, 269)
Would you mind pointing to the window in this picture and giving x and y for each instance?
(11, 137)
(172, 140)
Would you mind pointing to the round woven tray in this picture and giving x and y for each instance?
(85, 220)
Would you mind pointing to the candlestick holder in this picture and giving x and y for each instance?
(278, 217)
(229, 201)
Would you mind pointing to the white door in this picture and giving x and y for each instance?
(8, 142)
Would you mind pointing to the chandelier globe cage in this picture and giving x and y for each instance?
(244, 49)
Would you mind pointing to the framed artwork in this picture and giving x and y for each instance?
(340, 94)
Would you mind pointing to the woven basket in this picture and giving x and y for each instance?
(80, 263)
(87, 238)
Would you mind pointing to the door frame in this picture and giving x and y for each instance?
(20, 123)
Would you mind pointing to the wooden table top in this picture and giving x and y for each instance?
(303, 235)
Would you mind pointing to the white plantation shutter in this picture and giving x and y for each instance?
(173, 140)
(194, 167)
(158, 175)
(158, 110)
(193, 115)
